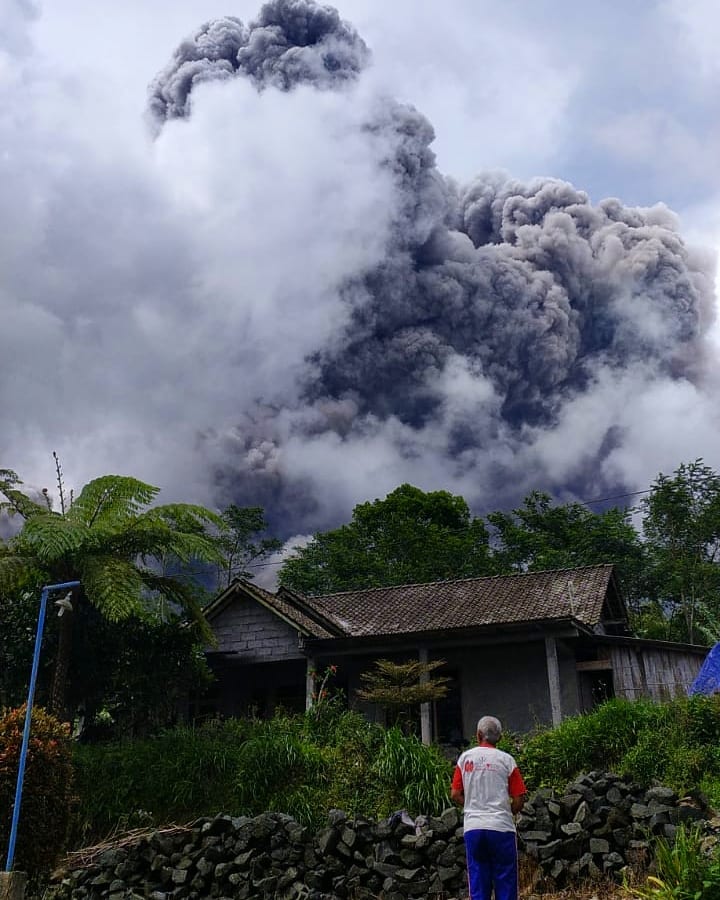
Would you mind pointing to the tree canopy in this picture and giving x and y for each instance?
(681, 525)
(410, 536)
(669, 570)
(240, 543)
(542, 535)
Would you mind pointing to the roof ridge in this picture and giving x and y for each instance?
(412, 584)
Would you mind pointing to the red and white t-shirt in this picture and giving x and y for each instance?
(489, 778)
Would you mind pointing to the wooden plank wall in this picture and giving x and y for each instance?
(653, 672)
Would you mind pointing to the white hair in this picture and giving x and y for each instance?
(491, 728)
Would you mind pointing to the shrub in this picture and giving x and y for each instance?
(683, 870)
(675, 743)
(416, 777)
(598, 739)
(179, 775)
(279, 771)
(47, 789)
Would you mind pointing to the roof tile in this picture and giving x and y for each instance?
(469, 602)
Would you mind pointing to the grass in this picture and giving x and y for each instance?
(331, 758)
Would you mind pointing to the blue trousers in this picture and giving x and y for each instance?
(492, 862)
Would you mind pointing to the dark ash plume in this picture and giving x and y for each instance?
(532, 285)
(492, 308)
(292, 42)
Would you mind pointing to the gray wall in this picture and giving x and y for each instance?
(254, 634)
(506, 680)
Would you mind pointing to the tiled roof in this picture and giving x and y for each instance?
(469, 602)
(273, 601)
(306, 624)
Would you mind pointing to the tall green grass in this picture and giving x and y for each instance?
(179, 775)
(684, 870)
(331, 758)
(300, 765)
(677, 743)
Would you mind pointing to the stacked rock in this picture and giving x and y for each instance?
(598, 825)
(272, 855)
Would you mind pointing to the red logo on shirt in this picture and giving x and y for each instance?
(469, 765)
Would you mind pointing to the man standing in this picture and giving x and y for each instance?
(488, 783)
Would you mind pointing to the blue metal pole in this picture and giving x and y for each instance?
(28, 715)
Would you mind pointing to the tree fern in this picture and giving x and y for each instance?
(112, 585)
(111, 499)
(111, 540)
(51, 538)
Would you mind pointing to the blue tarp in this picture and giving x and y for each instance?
(708, 678)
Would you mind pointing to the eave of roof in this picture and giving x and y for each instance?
(506, 632)
(629, 640)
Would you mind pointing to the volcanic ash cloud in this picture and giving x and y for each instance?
(491, 314)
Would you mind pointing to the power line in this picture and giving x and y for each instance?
(614, 497)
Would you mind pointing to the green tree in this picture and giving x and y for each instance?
(18, 621)
(410, 536)
(681, 524)
(541, 535)
(111, 540)
(400, 688)
(240, 544)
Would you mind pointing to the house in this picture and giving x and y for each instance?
(532, 648)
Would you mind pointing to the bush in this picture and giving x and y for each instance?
(684, 870)
(598, 739)
(675, 743)
(416, 777)
(300, 765)
(279, 771)
(179, 775)
(47, 798)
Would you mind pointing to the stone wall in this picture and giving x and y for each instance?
(598, 825)
(601, 823)
(271, 855)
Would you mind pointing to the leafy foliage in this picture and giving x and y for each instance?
(540, 535)
(47, 789)
(685, 869)
(177, 775)
(675, 743)
(18, 621)
(421, 771)
(410, 536)
(287, 764)
(132, 677)
(400, 688)
(239, 543)
(108, 540)
(681, 523)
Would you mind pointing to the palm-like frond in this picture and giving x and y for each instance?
(112, 585)
(51, 537)
(189, 517)
(110, 499)
(178, 530)
(183, 596)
